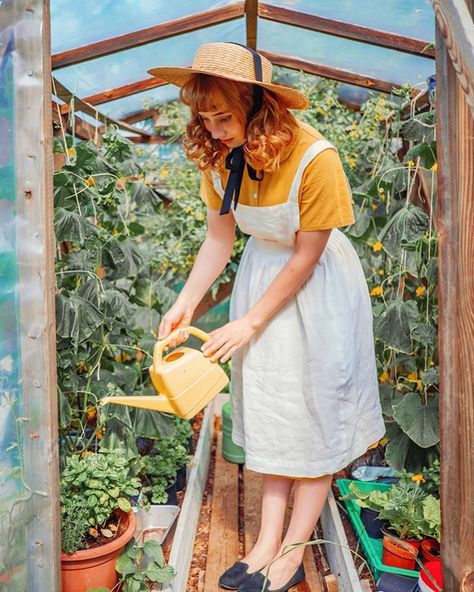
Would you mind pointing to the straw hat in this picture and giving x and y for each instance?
(233, 62)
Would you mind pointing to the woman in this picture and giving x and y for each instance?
(304, 385)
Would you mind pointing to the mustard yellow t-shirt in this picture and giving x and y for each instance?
(324, 197)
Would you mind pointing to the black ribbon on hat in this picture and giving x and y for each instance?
(234, 161)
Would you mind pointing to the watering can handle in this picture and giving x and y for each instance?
(162, 343)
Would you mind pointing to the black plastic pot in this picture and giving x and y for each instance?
(172, 495)
(373, 524)
(181, 479)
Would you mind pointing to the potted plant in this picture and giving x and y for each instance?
(96, 516)
(430, 547)
(371, 503)
(403, 509)
(158, 471)
(139, 566)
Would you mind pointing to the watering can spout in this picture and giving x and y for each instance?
(153, 402)
(185, 380)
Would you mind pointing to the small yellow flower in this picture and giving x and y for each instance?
(410, 164)
(164, 173)
(90, 181)
(71, 151)
(376, 291)
(412, 377)
(100, 434)
(381, 272)
(91, 412)
(418, 478)
(384, 377)
(377, 246)
(373, 206)
(420, 290)
(434, 168)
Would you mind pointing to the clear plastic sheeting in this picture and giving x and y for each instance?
(13, 490)
(129, 66)
(367, 60)
(96, 21)
(411, 18)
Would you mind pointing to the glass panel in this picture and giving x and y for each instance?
(129, 66)
(95, 21)
(412, 18)
(368, 60)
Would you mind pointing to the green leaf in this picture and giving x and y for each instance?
(431, 376)
(65, 411)
(425, 334)
(162, 575)
(392, 327)
(154, 551)
(420, 422)
(389, 396)
(76, 318)
(124, 565)
(361, 225)
(72, 226)
(124, 504)
(403, 229)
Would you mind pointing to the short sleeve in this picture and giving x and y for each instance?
(208, 193)
(325, 196)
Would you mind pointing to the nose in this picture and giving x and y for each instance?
(216, 130)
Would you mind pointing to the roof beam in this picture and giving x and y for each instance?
(149, 35)
(120, 92)
(251, 11)
(346, 30)
(142, 115)
(328, 72)
(60, 91)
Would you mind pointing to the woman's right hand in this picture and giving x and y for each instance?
(179, 316)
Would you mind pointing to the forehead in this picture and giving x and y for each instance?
(213, 106)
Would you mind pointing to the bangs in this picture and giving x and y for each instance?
(202, 93)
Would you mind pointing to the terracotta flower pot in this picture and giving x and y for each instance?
(397, 554)
(92, 568)
(430, 550)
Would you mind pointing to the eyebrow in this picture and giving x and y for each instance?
(217, 114)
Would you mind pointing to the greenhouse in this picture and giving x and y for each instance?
(236, 317)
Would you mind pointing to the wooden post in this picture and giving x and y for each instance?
(455, 136)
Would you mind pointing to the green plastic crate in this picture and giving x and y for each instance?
(373, 548)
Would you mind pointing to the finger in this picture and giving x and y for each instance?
(229, 354)
(214, 345)
(221, 351)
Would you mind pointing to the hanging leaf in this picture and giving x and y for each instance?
(405, 227)
(431, 376)
(425, 334)
(65, 411)
(124, 256)
(117, 305)
(361, 225)
(420, 422)
(76, 318)
(392, 327)
(150, 424)
(389, 396)
(71, 226)
(401, 452)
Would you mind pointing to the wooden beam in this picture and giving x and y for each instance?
(120, 92)
(149, 35)
(82, 129)
(209, 302)
(455, 137)
(66, 95)
(456, 28)
(345, 30)
(251, 10)
(142, 115)
(153, 139)
(329, 72)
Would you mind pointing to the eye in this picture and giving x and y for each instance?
(225, 119)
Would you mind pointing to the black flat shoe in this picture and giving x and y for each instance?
(235, 576)
(256, 582)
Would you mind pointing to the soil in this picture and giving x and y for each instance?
(116, 523)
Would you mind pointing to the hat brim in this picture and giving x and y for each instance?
(291, 98)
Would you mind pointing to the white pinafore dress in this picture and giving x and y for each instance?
(304, 390)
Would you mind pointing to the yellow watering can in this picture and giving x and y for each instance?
(185, 380)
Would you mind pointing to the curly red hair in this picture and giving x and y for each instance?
(268, 132)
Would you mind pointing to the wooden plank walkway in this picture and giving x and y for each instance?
(223, 546)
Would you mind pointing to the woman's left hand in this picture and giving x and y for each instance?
(227, 339)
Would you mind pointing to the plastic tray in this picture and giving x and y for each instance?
(154, 523)
(373, 548)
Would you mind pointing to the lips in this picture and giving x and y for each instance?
(227, 141)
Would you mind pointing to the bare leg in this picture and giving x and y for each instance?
(310, 497)
(275, 492)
